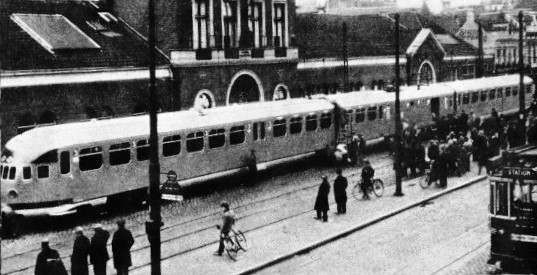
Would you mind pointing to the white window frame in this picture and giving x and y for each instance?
(261, 40)
(285, 42)
(197, 44)
(237, 23)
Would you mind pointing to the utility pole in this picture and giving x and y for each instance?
(345, 60)
(521, 92)
(153, 225)
(398, 126)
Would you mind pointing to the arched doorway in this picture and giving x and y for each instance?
(245, 87)
(426, 73)
(281, 92)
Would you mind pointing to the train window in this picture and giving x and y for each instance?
(142, 149)
(120, 153)
(326, 120)
(217, 138)
(521, 192)
(65, 162)
(475, 97)
(515, 91)
(507, 91)
(484, 95)
(42, 171)
(12, 172)
(26, 172)
(90, 158)
(171, 145)
(279, 128)
(501, 198)
(295, 126)
(237, 134)
(4, 174)
(499, 93)
(534, 193)
(194, 142)
(466, 99)
(371, 113)
(528, 89)
(360, 115)
(381, 111)
(48, 157)
(311, 123)
(254, 130)
(492, 94)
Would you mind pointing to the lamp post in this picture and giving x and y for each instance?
(398, 128)
(521, 92)
(153, 225)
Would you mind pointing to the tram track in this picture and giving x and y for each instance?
(209, 218)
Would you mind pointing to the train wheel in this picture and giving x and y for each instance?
(425, 181)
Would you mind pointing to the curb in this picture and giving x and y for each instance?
(351, 230)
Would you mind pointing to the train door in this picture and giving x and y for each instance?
(435, 106)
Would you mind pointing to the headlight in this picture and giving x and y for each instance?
(12, 194)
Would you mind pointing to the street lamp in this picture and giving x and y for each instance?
(398, 128)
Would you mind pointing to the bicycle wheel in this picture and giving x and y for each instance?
(378, 187)
(241, 241)
(357, 192)
(425, 181)
(231, 248)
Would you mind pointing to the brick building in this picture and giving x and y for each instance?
(428, 53)
(65, 61)
(223, 51)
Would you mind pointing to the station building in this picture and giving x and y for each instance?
(64, 61)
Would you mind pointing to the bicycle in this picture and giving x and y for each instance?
(377, 188)
(429, 177)
(234, 242)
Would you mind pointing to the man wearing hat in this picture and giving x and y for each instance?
(321, 202)
(98, 252)
(121, 248)
(228, 219)
(48, 261)
(81, 249)
(367, 175)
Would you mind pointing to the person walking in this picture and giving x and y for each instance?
(121, 248)
(340, 193)
(321, 203)
(481, 150)
(98, 252)
(353, 150)
(228, 220)
(361, 149)
(81, 249)
(367, 179)
(48, 261)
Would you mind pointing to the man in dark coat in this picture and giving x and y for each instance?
(481, 150)
(340, 184)
(463, 122)
(98, 252)
(121, 248)
(48, 261)
(321, 203)
(79, 258)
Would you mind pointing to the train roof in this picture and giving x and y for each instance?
(33, 143)
(487, 82)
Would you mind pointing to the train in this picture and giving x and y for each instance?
(68, 168)
(513, 210)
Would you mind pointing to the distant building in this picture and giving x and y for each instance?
(64, 61)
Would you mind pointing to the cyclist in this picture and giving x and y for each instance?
(367, 175)
(228, 220)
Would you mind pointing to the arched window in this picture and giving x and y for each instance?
(47, 117)
(26, 122)
(373, 84)
(280, 92)
(204, 100)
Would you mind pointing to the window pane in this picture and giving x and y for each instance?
(499, 92)
(371, 113)
(360, 115)
(279, 128)
(120, 153)
(515, 91)
(171, 145)
(4, 175)
(507, 91)
(65, 162)
(26, 172)
(262, 130)
(483, 95)
(237, 134)
(194, 142)
(12, 172)
(492, 94)
(42, 172)
(296, 125)
(465, 99)
(326, 120)
(254, 129)
(380, 112)
(217, 138)
(501, 198)
(142, 150)
(311, 123)
(90, 158)
(475, 97)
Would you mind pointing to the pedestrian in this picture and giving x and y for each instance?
(49, 261)
(98, 252)
(353, 150)
(81, 249)
(367, 179)
(228, 220)
(321, 203)
(361, 149)
(121, 248)
(340, 193)
(251, 162)
(463, 122)
(481, 150)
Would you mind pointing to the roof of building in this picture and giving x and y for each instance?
(321, 35)
(63, 35)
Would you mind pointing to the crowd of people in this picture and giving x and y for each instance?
(49, 261)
